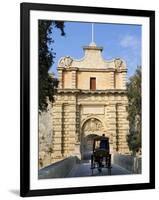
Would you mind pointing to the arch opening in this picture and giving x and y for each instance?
(91, 128)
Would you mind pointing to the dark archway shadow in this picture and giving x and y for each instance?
(87, 146)
(91, 128)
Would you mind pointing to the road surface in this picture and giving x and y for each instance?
(83, 169)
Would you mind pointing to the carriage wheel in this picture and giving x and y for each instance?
(109, 164)
(92, 163)
(92, 172)
(109, 171)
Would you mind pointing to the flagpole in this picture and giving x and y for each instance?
(92, 32)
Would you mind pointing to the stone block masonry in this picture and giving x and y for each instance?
(80, 112)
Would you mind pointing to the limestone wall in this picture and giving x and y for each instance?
(59, 169)
(64, 126)
(111, 111)
(131, 163)
(67, 79)
(120, 80)
(45, 137)
(61, 127)
(109, 74)
(103, 80)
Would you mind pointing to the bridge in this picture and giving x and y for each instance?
(73, 167)
(83, 170)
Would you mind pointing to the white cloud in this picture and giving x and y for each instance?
(130, 41)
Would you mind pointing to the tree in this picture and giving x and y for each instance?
(134, 111)
(47, 83)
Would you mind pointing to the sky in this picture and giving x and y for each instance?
(118, 41)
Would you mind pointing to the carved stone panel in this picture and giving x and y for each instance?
(93, 125)
(93, 109)
(65, 62)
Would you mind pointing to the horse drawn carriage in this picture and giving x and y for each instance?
(101, 157)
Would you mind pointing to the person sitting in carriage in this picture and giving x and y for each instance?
(103, 143)
(101, 154)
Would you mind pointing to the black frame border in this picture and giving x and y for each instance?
(25, 9)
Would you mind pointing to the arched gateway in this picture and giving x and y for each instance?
(91, 128)
(91, 99)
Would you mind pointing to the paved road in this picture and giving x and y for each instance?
(83, 169)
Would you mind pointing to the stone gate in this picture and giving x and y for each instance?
(91, 100)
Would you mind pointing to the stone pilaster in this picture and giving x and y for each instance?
(74, 80)
(114, 80)
(123, 128)
(123, 75)
(69, 126)
(57, 132)
(60, 78)
(78, 116)
(118, 80)
(68, 129)
(111, 82)
(111, 114)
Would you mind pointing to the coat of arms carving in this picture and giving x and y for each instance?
(118, 63)
(65, 62)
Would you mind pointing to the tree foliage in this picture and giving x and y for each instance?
(134, 111)
(47, 83)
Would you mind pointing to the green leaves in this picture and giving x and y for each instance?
(134, 111)
(47, 83)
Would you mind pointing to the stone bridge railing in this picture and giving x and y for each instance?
(130, 163)
(59, 169)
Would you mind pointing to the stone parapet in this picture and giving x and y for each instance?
(59, 169)
(131, 163)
